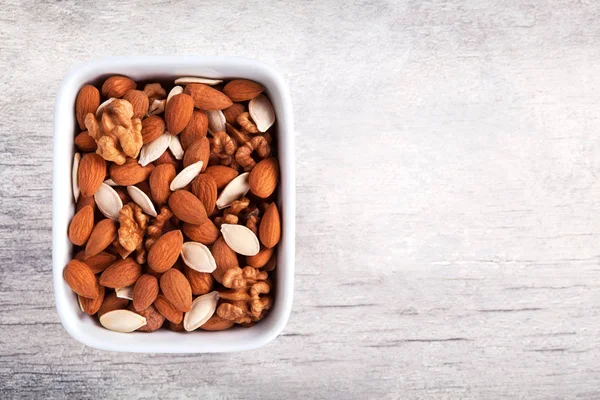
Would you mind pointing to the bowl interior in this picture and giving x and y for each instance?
(85, 328)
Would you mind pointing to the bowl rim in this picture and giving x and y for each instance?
(213, 67)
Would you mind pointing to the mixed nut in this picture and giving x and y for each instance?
(175, 204)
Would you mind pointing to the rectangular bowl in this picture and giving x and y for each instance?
(86, 329)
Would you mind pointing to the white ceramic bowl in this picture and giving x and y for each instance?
(85, 328)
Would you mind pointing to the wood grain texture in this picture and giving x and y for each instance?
(448, 241)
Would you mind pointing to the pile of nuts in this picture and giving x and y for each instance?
(175, 204)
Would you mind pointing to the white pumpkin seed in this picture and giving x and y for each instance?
(110, 182)
(153, 150)
(125, 292)
(198, 257)
(102, 106)
(216, 121)
(108, 201)
(202, 309)
(234, 190)
(75, 176)
(122, 321)
(241, 239)
(80, 305)
(141, 199)
(157, 107)
(190, 79)
(186, 176)
(175, 147)
(176, 90)
(262, 113)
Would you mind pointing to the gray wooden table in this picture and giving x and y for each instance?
(448, 241)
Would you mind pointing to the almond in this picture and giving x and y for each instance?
(85, 201)
(242, 89)
(176, 289)
(200, 311)
(85, 142)
(261, 258)
(222, 174)
(205, 233)
(216, 323)
(130, 172)
(81, 279)
(167, 158)
(160, 180)
(121, 273)
(187, 207)
(154, 319)
(198, 151)
(81, 226)
(232, 112)
(195, 129)
(116, 86)
(264, 177)
(91, 306)
(207, 98)
(91, 173)
(225, 258)
(88, 100)
(167, 309)
(269, 230)
(112, 302)
(152, 128)
(205, 188)
(145, 292)
(139, 101)
(165, 251)
(178, 113)
(100, 261)
(200, 282)
(103, 234)
(123, 321)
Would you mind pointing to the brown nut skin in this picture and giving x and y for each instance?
(200, 282)
(88, 100)
(160, 181)
(139, 101)
(216, 323)
(103, 234)
(152, 128)
(85, 142)
(154, 319)
(81, 279)
(176, 288)
(145, 292)
(205, 233)
(196, 129)
(81, 226)
(91, 306)
(91, 174)
(165, 251)
(116, 86)
(130, 173)
(187, 207)
(168, 310)
(112, 302)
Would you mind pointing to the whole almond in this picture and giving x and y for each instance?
(152, 128)
(91, 306)
(233, 112)
(139, 101)
(165, 251)
(85, 142)
(200, 282)
(103, 234)
(145, 292)
(85, 201)
(167, 309)
(81, 279)
(198, 151)
(216, 323)
(168, 158)
(116, 86)
(160, 180)
(176, 289)
(92, 170)
(178, 113)
(269, 230)
(207, 98)
(81, 226)
(204, 188)
(112, 302)
(88, 100)
(222, 174)
(130, 173)
(264, 177)
(154, 319)
(261, 258)
(242, 89)
(225, 258)
(187, 207)
(205, 233)
(121, 273)
(195, 129)
(100, 261)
